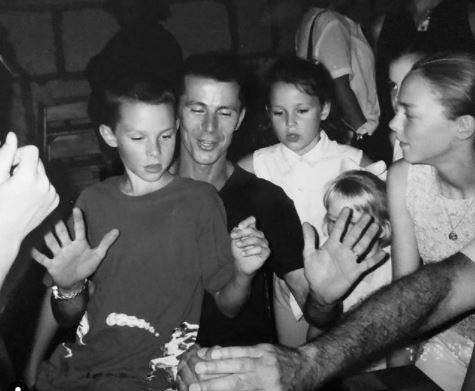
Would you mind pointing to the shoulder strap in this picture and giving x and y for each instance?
(310, 36)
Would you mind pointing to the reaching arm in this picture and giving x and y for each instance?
(250, 250)
(347, 103)
(26, 198)
(68, 312)
(410, 306)
(44, 333)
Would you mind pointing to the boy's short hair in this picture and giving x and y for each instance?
(221, 66)
(367, 192)
(104, 105)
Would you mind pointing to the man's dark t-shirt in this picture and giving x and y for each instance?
(246, 195)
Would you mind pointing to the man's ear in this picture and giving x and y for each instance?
(466, 126)
(325, 111)
(241, 117)
(108, 135)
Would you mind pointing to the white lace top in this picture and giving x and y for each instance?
(432, 225)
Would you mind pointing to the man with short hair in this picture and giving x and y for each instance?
(211, 109)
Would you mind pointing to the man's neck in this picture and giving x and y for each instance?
(215, 174)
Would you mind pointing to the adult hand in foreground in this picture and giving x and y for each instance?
(26, 194)
(260, 367)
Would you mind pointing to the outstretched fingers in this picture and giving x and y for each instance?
(79, 226)
(62, 233)
(52, 243)
(368, 263)
(225, 383)
(107, 241)
(42, 259)
(309, 236)
(247, 222)
(219, 353)
(340, 225)
(363, 235)
(7, 156)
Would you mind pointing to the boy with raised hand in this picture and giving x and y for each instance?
(153, 244)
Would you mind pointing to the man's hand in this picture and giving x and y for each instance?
(26, 195)
(73, 260)
(333, 269)
(260, 367)
(250, 247)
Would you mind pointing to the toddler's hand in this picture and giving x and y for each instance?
(250, 247)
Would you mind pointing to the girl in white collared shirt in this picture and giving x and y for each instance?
(304, 161)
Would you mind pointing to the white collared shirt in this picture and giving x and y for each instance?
(304, 178)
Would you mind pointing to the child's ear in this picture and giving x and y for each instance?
(385, 232)
(108, 136)
(325, 111)
(466, 126)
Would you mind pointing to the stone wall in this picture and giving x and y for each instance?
(49, 42)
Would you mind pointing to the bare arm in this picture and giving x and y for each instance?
(469, 381)
(376, 28)
(405, 309)
(69, 312)
(347, 103)
(298, 285)
(405, 255)
(250, 250)
(44, 333)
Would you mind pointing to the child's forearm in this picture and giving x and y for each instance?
(322, 315)
(234, 294)
(9, 248)
(68, 312)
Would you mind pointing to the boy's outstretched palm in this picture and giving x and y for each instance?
(333, 269)
(73, 260)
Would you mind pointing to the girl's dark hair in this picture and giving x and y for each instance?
(104, 104)
(452, 77)
(313, 79)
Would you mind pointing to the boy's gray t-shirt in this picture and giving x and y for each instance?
(173, 245)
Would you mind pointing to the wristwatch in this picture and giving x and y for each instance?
(59, 295)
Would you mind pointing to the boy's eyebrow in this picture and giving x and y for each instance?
(167, 129)
(171, 128)
(197, 102)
